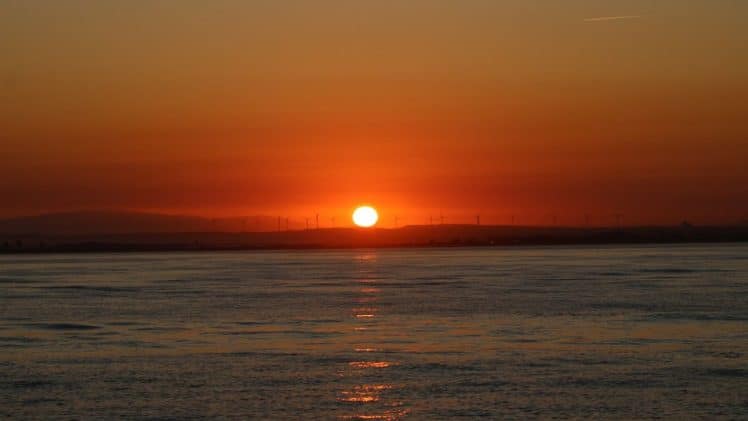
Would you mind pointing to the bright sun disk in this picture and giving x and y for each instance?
(365, 216)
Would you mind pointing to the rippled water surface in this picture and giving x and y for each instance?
(614, 332)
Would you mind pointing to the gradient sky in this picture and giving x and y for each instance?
(523, 107)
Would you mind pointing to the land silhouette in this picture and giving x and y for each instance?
(132, 231)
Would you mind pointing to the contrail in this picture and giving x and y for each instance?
(607, 18)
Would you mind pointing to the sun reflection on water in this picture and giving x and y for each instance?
(371, 364)
(390, 415)
(364, 393)
(373, 401)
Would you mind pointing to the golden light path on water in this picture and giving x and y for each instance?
(368, 318)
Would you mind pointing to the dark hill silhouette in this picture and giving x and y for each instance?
(146, 232)
(117, 222)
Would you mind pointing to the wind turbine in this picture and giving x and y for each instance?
(619, 218)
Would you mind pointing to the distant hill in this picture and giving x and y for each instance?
(148, 232)
(106, 222)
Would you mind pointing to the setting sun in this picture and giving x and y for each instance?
(365, 216)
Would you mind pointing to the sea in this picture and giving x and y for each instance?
(606, 332)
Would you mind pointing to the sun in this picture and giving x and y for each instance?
(365, 216)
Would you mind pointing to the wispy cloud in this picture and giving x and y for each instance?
(608, 18)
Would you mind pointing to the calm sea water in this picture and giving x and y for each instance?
(612, 332)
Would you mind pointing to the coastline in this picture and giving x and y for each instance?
(419, 236)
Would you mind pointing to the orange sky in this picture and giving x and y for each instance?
(298, 107)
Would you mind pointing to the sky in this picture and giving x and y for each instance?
(545, 110)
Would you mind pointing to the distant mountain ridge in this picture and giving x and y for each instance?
(122, 222)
